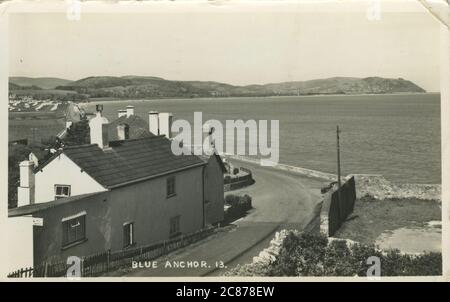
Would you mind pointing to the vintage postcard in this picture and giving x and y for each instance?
(225, 139)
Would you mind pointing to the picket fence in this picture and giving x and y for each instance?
(101, 263)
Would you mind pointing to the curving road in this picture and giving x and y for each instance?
(279, 198)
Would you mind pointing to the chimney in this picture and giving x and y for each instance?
(123, 132)
(165, 124)
(121, 112)
(25, 191)
(99, 129)
(130, 110)
(153, 122)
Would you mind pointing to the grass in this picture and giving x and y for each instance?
(46, 124)
(372, 217)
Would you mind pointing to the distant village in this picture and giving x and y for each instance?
(25, 103)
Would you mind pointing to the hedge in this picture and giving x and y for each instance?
(307, 254)
(238, 206)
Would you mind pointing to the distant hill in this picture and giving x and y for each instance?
(13, 86)
(155, 87)
(43, 83)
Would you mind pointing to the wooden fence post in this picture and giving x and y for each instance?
(45, 269)
(108, 259)
(82, 273)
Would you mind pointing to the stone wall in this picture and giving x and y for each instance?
(303, 171)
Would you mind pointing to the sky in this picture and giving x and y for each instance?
(249, 47)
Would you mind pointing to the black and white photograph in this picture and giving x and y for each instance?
(225, 139)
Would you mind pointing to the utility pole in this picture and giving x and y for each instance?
(338, 159)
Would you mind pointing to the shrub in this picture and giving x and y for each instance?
(245, 202)
(239, 205)
(312, 255)
(428, 264)
(232, 200)
(236, 171)
(300, 255)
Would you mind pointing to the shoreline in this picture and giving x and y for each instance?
(375, 185)
(316, 173)
(117, 100)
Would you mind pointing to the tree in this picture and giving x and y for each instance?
(78, 133)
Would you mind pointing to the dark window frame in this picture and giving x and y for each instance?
(73, 231)
(171, 188)
(69, 191)
(128, 235)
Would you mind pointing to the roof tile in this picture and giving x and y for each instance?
(130, 160)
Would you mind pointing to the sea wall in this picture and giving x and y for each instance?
(374, 185)
(243, 179)
(298, 170)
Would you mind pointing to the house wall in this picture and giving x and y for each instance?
(19, 247)
(144, 203)
(214, 199)
(62, 170)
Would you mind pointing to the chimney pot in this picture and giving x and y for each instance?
(153, 122)
(130, 110)
(123, 132)
(121, 112)
(25, 191)
(165, 124)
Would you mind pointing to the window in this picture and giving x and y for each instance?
(62, 191)
(174, 226)
(74, 229)
(128, 234)
(171, 186)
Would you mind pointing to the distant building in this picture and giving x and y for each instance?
(133, 126)
(114, 194)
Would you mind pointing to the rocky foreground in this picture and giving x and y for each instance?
(380, 188)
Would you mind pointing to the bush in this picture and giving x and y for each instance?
(239, 205)
(235, 171)
(232, 200)
(312, 255)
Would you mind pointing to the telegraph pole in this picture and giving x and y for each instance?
(338, 159)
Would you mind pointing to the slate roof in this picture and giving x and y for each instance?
(128, 161)
(138, 127)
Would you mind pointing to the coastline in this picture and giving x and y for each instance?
(117, 100)
(290, 162)
(374, 185)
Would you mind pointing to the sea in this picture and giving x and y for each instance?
(396, 135)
